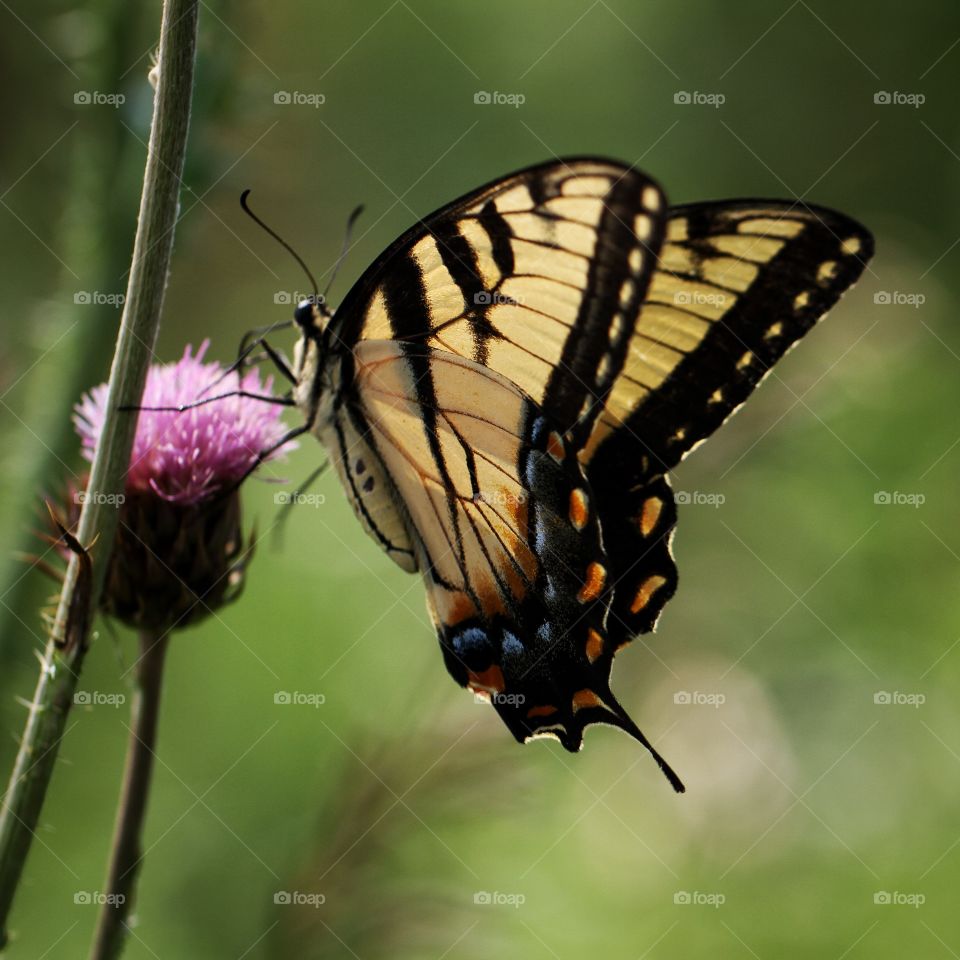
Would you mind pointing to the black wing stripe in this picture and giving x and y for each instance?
(589, 337)
(362, 429)
(460, 259)
(500, 234)
(451, 544)
(406, 302)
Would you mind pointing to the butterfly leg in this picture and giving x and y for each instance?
(246, 349)
(266, 452)
(180, 408)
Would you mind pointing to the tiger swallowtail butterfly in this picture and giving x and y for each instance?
(505, 390)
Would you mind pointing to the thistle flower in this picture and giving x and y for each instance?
(179, 551)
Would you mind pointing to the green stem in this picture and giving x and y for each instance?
(79, 598)
(126, 850)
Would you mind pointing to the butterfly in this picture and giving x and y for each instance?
(505, 390)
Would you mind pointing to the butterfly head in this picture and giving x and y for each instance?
(311, 315)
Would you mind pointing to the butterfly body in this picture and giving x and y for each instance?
(504, 391)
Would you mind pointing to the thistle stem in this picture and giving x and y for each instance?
(153, 246)
(126, 853)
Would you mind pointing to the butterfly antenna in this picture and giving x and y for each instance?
(351, 220)
(283, 243)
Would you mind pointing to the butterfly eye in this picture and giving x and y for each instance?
(303, 315)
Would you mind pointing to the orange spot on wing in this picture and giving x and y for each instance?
(542, 711)
(555, 446)
(515, 582)
(457, 608)
(584, 699)
(650, 514)
(645, 591)
(579, 511)
(487, 681)
(491, 600)
(594, 646)
(596, 578)
(517, 509)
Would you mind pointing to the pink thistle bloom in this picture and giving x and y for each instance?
(180, 552)
(186, 457)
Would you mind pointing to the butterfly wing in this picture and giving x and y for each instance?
(506, 534)
(736, 285)
(538, 277)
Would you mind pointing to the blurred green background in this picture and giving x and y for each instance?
(399, 800)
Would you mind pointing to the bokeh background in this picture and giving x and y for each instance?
(805, 598)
